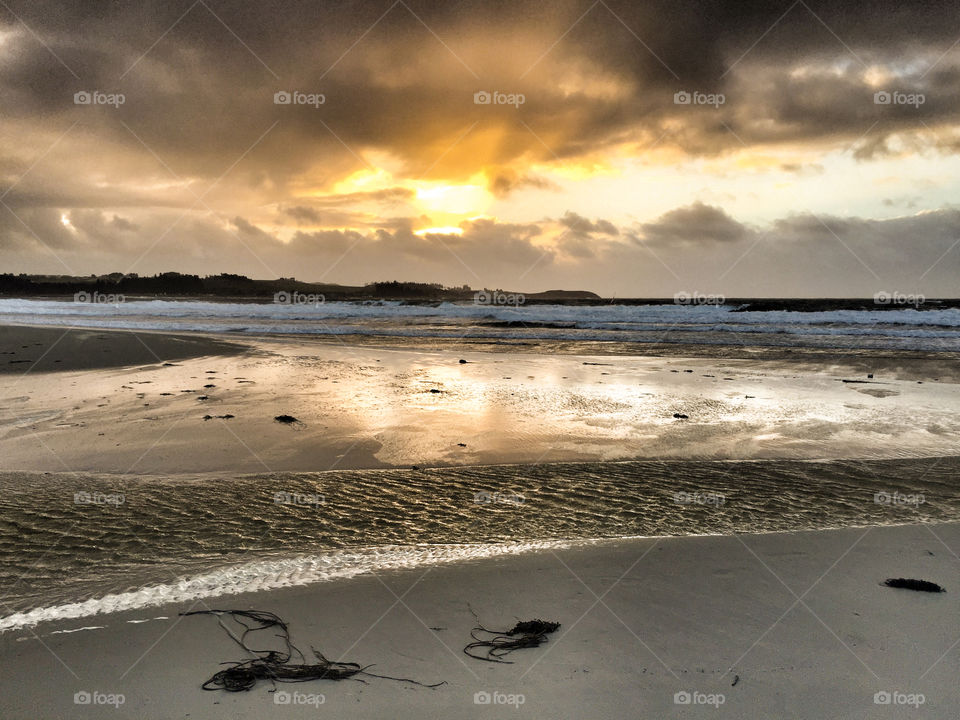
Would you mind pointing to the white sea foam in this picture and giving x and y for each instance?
(902, 327)
(278, 573)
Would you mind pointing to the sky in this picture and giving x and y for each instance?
(635, 149)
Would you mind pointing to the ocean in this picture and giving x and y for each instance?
(908, 328)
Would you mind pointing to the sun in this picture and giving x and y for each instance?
(452, 199)
(446, 230)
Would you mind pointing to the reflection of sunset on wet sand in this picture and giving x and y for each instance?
(375, 407)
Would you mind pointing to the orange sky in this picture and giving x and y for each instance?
(623, 148)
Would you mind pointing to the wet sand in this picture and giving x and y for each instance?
(779, 625)
(28, 349)
(368, 406)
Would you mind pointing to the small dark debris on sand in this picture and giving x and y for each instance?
(211, 372)
(218, 417)
(434, 390)
(209, 385)
(681, 416)
(736, 679)
(462, 361)
(911, 584)
(166, 393)
(169, 365)
(203, 397)
(461, 444)
(287, 419)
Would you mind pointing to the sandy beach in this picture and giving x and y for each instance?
(778, 625)
(783, 624)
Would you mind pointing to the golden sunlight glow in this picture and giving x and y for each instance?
(364, 181)
(65, 220)
(448, 230)
(452, 199)
(876, 76)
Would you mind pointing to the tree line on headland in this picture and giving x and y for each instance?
(226, 285)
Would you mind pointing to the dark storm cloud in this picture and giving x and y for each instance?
(199, 129)
(199, 98)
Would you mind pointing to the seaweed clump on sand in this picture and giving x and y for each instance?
(492, 645)
(910, 584)
(286, 419)
(275, 665)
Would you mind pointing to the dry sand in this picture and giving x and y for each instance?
(800, 621)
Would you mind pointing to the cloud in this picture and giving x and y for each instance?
(592, 92)
(695, 224)
(691, 248)
(582, 226)
(507, 181)
(199, 159)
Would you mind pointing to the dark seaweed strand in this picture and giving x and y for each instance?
(498, 643)
(275, 665)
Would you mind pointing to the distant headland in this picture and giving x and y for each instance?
(240, 287)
